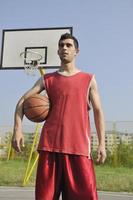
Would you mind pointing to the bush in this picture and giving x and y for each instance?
(121, 157)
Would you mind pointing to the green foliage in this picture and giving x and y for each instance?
(125, 155)
(27, 150)
(122, 156)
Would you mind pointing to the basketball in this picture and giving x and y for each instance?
(36, 108)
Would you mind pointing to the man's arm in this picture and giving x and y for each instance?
(99, 120)
(18, 139)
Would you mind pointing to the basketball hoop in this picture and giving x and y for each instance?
(31, 61)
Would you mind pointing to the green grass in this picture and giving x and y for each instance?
(108, 178)
(114, 178)
(12, 173)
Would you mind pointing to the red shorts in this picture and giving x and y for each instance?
(72, 175)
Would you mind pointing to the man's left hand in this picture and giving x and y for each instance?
(101, 154)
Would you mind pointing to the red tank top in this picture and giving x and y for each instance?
(67, 128)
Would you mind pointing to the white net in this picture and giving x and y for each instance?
(31, 61)
(30, 69)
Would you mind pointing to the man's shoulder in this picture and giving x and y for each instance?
(50, 74)
(87, 74)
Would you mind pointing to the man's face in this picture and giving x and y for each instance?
(67, 50)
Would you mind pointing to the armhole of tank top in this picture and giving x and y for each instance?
(88, 90)
(43, 80)
(45, 85)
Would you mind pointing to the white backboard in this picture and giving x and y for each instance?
(42, 40)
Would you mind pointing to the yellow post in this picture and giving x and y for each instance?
(30, 157)
(9, 151)
(9, 147)
(29, 172)
(42, 71)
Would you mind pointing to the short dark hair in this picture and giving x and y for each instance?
(69, 36)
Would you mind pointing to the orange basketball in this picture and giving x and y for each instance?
(36, 108)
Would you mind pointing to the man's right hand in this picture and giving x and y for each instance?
(18, 141)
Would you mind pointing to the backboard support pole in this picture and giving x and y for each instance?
(28, 172)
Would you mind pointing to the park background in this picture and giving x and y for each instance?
(105, 33)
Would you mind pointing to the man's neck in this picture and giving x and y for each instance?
(69, 68)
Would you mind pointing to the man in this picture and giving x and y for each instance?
(65, 163)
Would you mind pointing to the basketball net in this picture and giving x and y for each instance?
(31, 61)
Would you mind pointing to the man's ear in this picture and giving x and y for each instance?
(77, 51)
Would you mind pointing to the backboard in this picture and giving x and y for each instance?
(43, 41)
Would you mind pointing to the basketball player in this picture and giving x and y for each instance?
(65, 163)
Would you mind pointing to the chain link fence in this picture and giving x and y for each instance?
(120, 132)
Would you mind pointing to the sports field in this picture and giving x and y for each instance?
(114, 179)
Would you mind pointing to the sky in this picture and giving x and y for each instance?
(104, 30)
